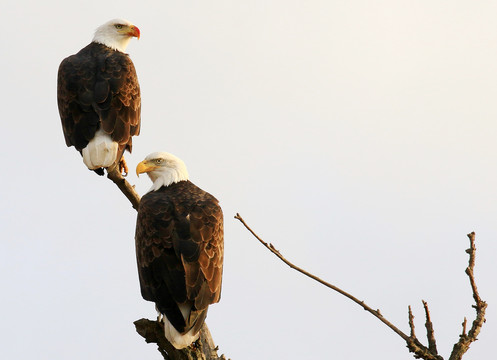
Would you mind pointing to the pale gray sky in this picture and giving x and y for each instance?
(358, 137)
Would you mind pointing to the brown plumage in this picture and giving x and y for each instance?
(97, 88)
(179, 249)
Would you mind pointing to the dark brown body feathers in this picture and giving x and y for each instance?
(179, 249)
(98, 88)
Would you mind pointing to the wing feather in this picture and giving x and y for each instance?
(179, 245)
(98, 87)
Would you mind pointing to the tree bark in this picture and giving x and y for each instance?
(202, 349)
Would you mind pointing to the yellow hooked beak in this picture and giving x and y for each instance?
(129, 30)
(134, 31)
(145, 167)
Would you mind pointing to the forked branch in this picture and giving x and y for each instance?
(413, 344)
(480, 306)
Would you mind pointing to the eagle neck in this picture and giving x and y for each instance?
(167, 178)
(119, 44)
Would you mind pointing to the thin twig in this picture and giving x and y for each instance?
(376, 313)
(411, 322)
(413, 344)
(464, 326)
(430, 333)
(465, 340)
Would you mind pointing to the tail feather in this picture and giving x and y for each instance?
(179, 341)
(100, 152)
(194, 320)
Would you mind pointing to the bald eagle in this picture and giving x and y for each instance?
(179, 247)
(99, 97)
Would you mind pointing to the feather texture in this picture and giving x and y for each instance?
(97, 89)
(179, 249)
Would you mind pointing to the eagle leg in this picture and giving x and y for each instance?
(123, 167)
(159, 315)
(160, 318)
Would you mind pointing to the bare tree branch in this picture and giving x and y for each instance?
(411, 323)
(413, 344)
(432, 344)
(465, 340)
(153, 331)
(202, 349)
(144, 327)
(129, 191)
(376, 313)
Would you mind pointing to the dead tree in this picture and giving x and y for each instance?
(204, 348)
(413, 344)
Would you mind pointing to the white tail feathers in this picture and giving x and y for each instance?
(100, 152)
(179, 341)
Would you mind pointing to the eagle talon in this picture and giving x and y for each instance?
(160, 317)
(123, 167)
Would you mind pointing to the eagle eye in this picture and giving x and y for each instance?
(118, 26)
(159, 161)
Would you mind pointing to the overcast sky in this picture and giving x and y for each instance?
(358, 137)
